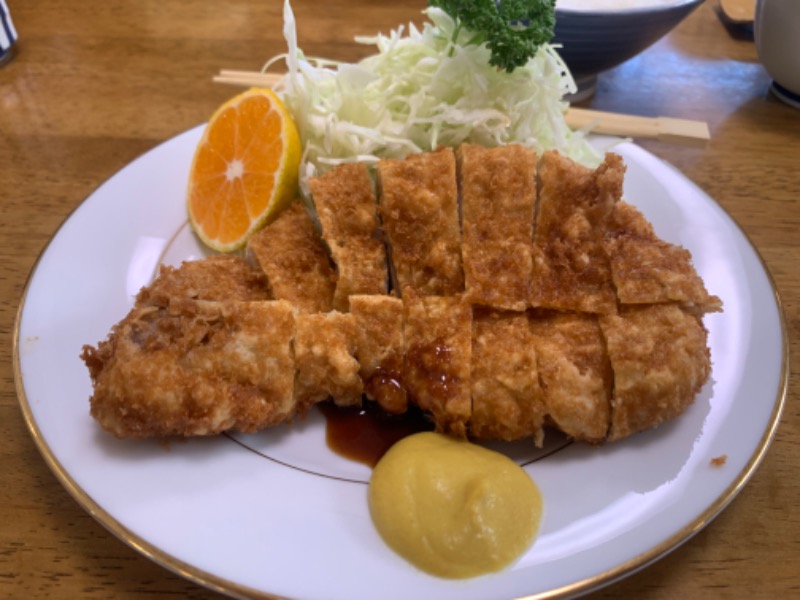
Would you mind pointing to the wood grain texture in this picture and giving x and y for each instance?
(98, 82)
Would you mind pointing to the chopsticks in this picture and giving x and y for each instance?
(665, 129)
(251, 78)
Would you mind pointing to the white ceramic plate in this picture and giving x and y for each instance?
(279, 514)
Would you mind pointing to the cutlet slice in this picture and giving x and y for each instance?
(661, 360)
(436, 372)
(507, 400)
(347, 211)
(218, 277)
(498, 197)
(194, 368)
(647, 270)
(418, 200)
(294, 258)
(571, 270)
(575, 373)
(324, 348)
(380, 348)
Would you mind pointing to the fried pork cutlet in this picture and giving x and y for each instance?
(614, 344)
(575, 373)
(571, 271)
(647, 270)
(661, 360)
(436, 373)
(419, 211)
(194, 368)
(218, 277)
(507, 402)
(324, 348)
(295, 261)
(498, 198)
(379, 349)
(347, 212)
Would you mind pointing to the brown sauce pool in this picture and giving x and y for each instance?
(365, 433)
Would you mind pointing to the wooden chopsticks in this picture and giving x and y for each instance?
(665, 129)
(678, 131)
(247, 78)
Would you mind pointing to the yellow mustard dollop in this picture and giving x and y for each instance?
(452, 508)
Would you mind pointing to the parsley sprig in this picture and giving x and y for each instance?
(512, 29)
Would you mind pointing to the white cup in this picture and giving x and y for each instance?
(777, 33)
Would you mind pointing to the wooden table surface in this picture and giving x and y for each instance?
(96, 83)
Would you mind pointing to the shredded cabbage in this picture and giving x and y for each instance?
(419, 91)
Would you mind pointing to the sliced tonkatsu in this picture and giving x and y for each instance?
(557, 307)
(295, 261)
(571, 270)
(347, 212)
(660, 357)
(437, 366)
(194, 368)
(324, 354)
(418, 200)
(218, 277)
(647, 270)
(498, 198)
(380, 348)
(507, 400)
(575, 373)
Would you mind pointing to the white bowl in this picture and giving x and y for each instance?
(603, 36)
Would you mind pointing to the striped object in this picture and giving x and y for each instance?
(8, 35)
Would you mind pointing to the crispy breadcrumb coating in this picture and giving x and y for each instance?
(436, 373)
(647, 270)
(571, 270)
(380, 347)
(194, 368)
(295, 261)
(660, 357)
(592, 326)
(347, 211)
(498, 198)
(575, 373)
(507, 400)
(418, 200)
(324, 349)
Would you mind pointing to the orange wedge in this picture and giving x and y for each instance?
(245, 169)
